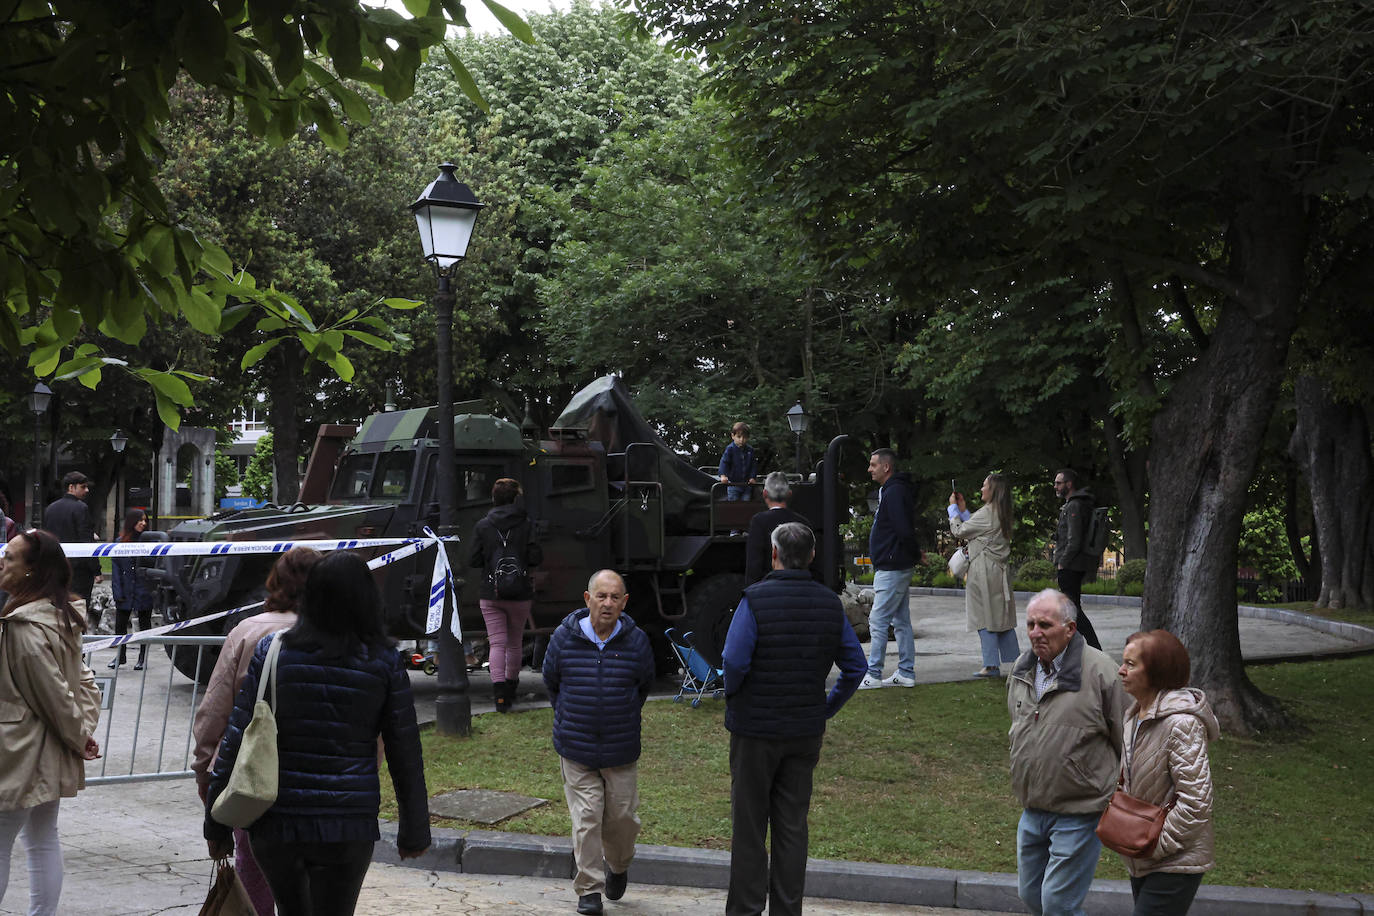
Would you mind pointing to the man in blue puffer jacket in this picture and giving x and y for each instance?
(598, 669)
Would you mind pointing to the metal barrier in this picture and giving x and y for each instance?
(146, 716)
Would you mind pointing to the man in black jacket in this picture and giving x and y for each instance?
(758, 549)
(786, 634)
(69, 518)
(1071, 561)
(893, 550)
(598, 669)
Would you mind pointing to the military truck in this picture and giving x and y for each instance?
(602, 487)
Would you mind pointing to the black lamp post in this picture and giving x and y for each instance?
(38, 403)
(445, 214)
(117, 443)
(799, 421)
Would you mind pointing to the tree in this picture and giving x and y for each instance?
(554, 106)
(1191, 145)
(85, 235)
(703, 297)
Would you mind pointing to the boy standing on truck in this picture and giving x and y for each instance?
(737, 467)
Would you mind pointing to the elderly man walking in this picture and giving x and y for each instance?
(598, 669)
(786, 634)
(1066, 704)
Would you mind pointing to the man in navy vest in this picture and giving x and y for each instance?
(786, 634)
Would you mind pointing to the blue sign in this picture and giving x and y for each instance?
(241, 502)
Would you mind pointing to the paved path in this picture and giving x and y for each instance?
(136, 848)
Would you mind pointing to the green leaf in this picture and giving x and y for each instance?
(255, 354)
(402, 304)
(201, 311)
(170, 387)
(512, 21)
(216, 258)
(370, 339)
(167, 411)
(341, 366)
(465, 80)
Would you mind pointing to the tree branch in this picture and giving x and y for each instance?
(1189, 271)
(1185, 311)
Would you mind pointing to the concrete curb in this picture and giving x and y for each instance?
(489, 852)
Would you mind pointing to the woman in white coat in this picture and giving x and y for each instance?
(988, 599)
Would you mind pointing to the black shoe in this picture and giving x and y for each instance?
(615, 884)
(115, 662)
(140, 665)
(589, 903)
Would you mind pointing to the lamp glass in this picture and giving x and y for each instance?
(797, 418)
(39, 398)
(445, 232)
(118, 440)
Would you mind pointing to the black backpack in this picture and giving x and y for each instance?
(508, 575)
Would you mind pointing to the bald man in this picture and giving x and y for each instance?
(598, 668)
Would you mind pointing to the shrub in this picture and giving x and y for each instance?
(1036, 570)
(945, 580)
(1132, 572)
(934, 566)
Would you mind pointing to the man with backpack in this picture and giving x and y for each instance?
(1073, 555)
(503, 546)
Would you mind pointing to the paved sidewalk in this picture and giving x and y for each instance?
(136, 848)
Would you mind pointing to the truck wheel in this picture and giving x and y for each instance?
(709, 608)
(184, 657)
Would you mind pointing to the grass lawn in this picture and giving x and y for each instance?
(919, 777)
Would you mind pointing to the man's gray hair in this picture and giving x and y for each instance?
(795, 545)
(776, 487)
(1068, 611)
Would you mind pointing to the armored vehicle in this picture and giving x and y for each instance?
(603, 488)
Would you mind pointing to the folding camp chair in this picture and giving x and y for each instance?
(698, 675)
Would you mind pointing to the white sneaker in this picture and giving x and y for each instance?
(899, 680)
(870, 682)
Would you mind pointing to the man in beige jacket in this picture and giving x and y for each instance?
(1066, 705)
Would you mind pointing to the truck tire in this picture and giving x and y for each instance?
(184, 658)
(710, 606)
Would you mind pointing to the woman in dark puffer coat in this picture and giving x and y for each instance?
(340, 684)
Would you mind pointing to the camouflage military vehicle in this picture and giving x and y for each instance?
(602, 487)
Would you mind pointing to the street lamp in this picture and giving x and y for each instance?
(117, 442)
(445, 214)
(799, 421)
(38, 403)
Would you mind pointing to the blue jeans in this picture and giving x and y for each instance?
(1056, 855)
(998, 647)
(737, 492)
(891, 605)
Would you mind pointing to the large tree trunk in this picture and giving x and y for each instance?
(1206, 445)
(1331, 444)
(1128, 473)
(283, 396)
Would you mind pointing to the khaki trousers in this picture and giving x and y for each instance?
(604, 823)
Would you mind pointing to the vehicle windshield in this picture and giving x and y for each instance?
(355, 473)
(386, 476)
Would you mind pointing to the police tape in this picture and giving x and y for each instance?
(441, 581)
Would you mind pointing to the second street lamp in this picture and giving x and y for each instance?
(799, 421)
(38, 403)
(445, 215)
